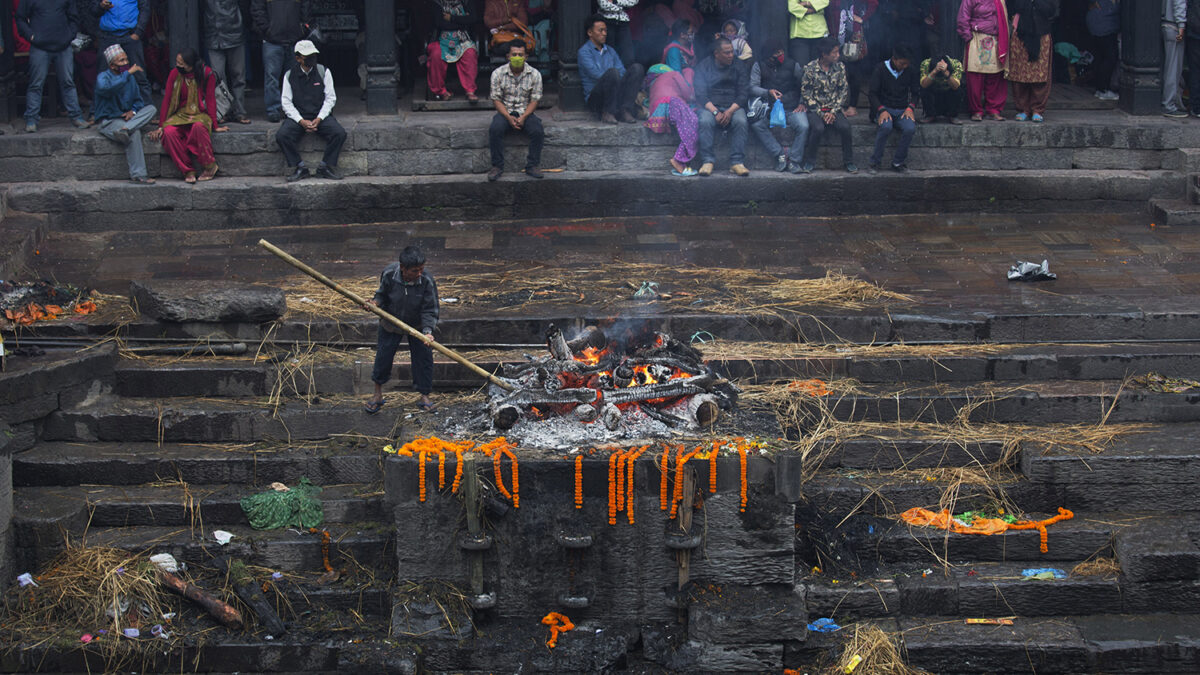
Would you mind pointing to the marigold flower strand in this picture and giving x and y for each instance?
(579, 481)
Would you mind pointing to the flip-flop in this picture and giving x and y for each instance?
(686, 173)
(427, 407)
(372, 407)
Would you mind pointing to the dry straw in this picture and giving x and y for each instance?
(874, 652)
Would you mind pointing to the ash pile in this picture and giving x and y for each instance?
(596, 388)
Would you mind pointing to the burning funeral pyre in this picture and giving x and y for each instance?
(649, 379)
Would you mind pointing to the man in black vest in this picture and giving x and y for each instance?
(308, 100)
(778, 79)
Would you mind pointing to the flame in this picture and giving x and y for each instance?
(591, 356)
(641, 375)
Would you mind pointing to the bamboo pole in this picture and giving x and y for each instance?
(362, 302)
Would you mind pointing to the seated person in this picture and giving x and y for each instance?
(940, 80)
(893, 93)
(505, 15)
(452, 43)
(609, 88)
(308, 99)
(541, 14)
(671, 92)
(120, 112)
(825, 91)
(735, 31)
(680, 53)
(778, 79)
(188, 116)
(516, 90)
(721, 87)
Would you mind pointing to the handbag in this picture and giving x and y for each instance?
(983, 55)
(503, 37)
(853, 51)
(778, 116)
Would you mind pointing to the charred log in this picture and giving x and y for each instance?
(590, 337)
(557, 344)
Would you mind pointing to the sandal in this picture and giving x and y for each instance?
(977, 117)
(427, 407)
(472, 97)
(142, 180)
(686, 173)
(189, 177)
(243, 120)
(209, 174)
(372, 407)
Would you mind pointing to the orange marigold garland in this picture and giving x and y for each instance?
(612, 486)
(441, 470)
(664, 481)
(516, 479)
(558, 623)
(679, 464)
(1040, 526)
(324, 547)
(712, 467)
(421, 474)
(458, 470)
(579, 481)
(629, 490)
(742, 468)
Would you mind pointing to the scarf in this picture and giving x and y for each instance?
(689, 53)
(1002, 38)
(189, 111)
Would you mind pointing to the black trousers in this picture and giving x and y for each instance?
(290, 133)
(421, 355)
(941, 103)
(532, 128)
(1106, 50)
(1193, 79)
(614, 93)
(816, 129)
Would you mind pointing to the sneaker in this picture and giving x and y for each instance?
(1174, 114)
(796, 168)
(534, 172)
(900, 168)
(494, 174)
(31, 127)
(1196, 113)
(806, 168)
(781, 163)
(1108, 95)
(851, 168)
(872, 167)
(739, 170)
(80, 123)
(706, 169)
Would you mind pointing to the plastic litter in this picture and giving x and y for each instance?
(1027, 271)
(86, 638)
(118, 608)
(276, 575)
(26, 579)
(165, 562)
(988, 622)
(824, 625)
(131, 633)
(222, 536)
(1043, 573)
(297, 507)
(854, 661)
(648, 291)
(158, 631)
(779, 120)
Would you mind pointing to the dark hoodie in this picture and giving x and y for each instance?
(49, 25)
(280, 22)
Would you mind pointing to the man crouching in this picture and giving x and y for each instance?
(409, 294)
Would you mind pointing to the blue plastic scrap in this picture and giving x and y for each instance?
(1043, 573)
(823, 626)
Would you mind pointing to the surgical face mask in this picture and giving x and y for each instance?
(123, 68)
(517, 62)
(779, 58)
(182, 70)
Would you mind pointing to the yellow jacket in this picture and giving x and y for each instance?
(806, 23)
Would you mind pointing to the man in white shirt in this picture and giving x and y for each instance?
(308, 99)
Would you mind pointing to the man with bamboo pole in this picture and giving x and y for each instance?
(407, 292)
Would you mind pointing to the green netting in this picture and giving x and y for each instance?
(298, 507)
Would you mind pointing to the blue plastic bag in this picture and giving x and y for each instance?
(778, 115)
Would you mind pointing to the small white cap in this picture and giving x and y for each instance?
(306, 48)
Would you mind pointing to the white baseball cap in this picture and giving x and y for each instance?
(306, 48)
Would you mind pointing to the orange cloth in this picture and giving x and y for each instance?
(944, 521)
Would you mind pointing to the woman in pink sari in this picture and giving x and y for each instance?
(670, 93)
(983, 26)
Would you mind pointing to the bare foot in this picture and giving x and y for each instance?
(189, 177)
(678, 165)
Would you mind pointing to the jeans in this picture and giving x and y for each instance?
(907, 128)
(421, 356)
(330, 130)
(614, 93)
(796, 121)
(137, 55)
(134, 156)
(738, 129)
(274, 57)
(816, 129)
(532, 128)
(1172, 69)
(230, 66)
(64, 69)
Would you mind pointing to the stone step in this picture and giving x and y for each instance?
(1173, 211)
(330, 462)
(214, 421)
(379, 148)
(184, 504)
(20, 237)
(370, 544)
(1156, 643)
(1033, 402)
(258, 202)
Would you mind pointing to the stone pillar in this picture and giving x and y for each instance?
(6, 503)
(1141, 57)
(183, 27)
(381, 57)
(570, 16)
(8, 98)
(948, 27)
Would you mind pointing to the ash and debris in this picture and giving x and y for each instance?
(563, 432)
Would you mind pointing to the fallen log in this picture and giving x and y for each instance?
(219, 609)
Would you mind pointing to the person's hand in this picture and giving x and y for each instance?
(135, 68)
(308, 126)
(316, 123)
(1179, 36)
(106, 5)
(1, 49)
(427, 339)
(941, 67)
(370, 303)
(828, 117)
(884, 117)
(907, 114)
(929, 20)
(521, 120)
(801, 108)
(776, 93)
(723, 118)
(134, 36)
(512, 121)
(155, 135)
(445, 15)
(858, 19)
(218, 130)
(127, 115)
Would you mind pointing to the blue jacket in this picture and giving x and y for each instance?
(115, 95)
(593, 63)
(1103, 17)
(124, 16)
(49, 25)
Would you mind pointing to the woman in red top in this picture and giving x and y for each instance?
(188, 115)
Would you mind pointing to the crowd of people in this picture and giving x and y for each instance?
(682, 66)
